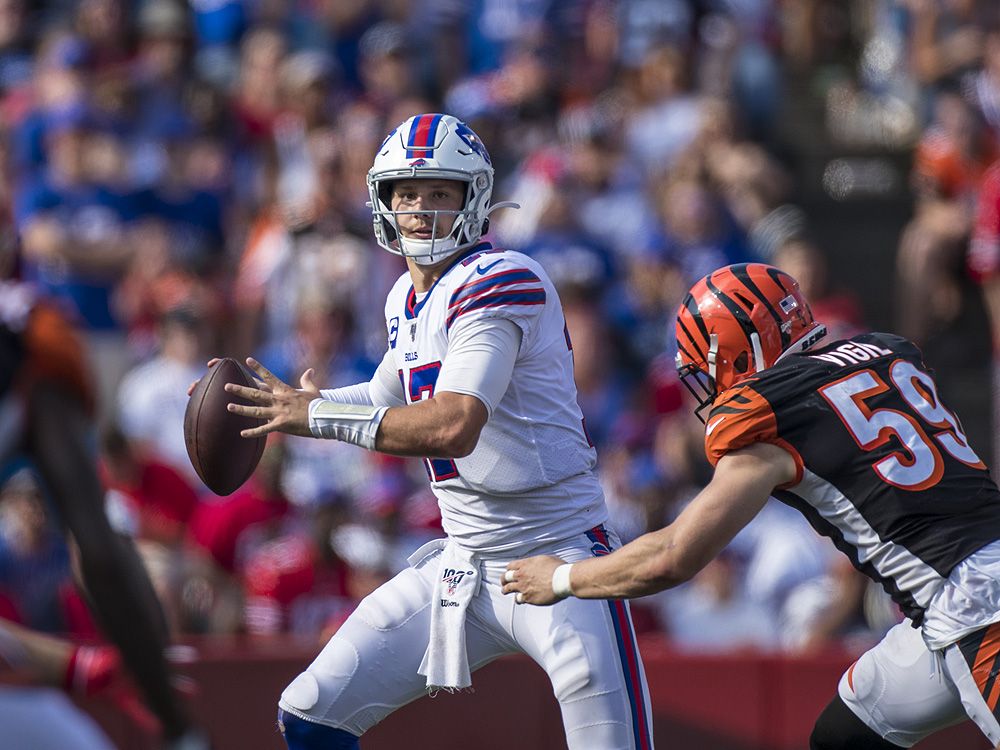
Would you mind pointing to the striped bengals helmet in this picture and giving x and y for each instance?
(737, 321)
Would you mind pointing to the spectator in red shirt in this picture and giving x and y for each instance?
(216, 526)
(218, 540)
(949, 165)
(159, 500)
(954, 152)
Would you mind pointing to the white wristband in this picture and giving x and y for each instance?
(560, 581)
(348, 423)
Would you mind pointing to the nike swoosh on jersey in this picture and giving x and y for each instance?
(483, 269)
(712, 425)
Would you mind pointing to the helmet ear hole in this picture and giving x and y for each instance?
(486, 227)
(742, 363)
(385, 191)
(390, 231)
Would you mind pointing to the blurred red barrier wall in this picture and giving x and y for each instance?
(700, 702)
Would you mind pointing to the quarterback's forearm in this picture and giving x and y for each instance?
(446, 426)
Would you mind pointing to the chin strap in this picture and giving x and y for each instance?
(443, 248)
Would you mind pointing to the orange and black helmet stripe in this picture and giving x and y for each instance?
(981, 650)
(699, 353)
(741, 273)
(753, 311)
(733, 307)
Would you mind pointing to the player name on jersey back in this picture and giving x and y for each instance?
(852, 353)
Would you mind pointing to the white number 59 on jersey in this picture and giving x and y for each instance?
(920, 465)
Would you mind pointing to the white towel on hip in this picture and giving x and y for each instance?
(446, 661)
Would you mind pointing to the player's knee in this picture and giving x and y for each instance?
(839, 728)
(315, 693)
(300, 734)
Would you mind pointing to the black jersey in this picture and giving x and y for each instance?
(37, 342)
(884, 468)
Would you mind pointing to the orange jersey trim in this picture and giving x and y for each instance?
(986, 656)
(54, 353)
(741, 418)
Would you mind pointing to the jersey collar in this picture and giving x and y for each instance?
(412, 308)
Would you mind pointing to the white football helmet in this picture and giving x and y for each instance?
(440, 147)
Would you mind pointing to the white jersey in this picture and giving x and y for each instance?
(531, 476)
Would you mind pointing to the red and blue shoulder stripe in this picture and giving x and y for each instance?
(514, 287)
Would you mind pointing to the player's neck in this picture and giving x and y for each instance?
(423, 277)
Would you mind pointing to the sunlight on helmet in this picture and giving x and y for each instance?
(736, 322)
(432, 146)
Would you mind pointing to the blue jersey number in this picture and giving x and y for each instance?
(422, 381)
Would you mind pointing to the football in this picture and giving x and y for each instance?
(222, 458)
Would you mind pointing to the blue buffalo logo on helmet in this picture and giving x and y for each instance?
(432, 146)
(466, 133)
(386, 139)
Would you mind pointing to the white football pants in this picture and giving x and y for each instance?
(587, 648)
(904, 692)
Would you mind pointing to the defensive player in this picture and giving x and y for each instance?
(853, 434)
(33, 712)
(45, 400)
(478, 376)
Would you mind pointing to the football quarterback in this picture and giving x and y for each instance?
(477, 378)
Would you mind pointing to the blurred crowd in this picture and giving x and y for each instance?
(189, 181)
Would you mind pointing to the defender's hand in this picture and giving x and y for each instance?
(286, 409)
(530, 580)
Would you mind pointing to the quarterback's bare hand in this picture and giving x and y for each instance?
(286, 409)
(530, 580)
